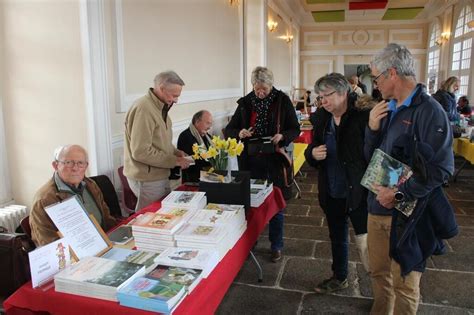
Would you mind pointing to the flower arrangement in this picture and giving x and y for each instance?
(218, 152)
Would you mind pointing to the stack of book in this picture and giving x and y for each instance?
(152, 295)
(205, 236)
(153, 231)
(185, 199)
(97, 277)
(233, 221)
(204, 259)
(209, 227)
(259, 191)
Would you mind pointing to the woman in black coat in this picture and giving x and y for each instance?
(337, 152)
(257, 115)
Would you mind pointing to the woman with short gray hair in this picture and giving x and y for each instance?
(337, 151)
(266, 112)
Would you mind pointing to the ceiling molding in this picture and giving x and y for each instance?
(351, 52)
(359, 24)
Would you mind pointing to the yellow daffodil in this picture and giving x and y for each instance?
(218, 152)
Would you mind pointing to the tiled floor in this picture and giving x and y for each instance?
(446, 287)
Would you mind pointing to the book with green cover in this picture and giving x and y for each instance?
(384, 170)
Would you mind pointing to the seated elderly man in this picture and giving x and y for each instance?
(197, 132)
(70, 165)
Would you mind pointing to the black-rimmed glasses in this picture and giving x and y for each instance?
(320, 97)
(377, 77)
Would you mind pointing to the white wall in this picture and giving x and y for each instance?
(326, 48)
(43, 91)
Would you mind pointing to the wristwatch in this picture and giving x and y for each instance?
(399, 196)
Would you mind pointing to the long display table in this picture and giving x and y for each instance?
(204, 299)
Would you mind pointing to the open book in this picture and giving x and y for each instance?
(386, 171)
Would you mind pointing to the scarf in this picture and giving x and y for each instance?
(261, 107)
(198, 137)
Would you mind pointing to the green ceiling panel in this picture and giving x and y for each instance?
(328, 16)
(324, 1)
(402, 13)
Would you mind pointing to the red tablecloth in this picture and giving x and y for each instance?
(304, 137)
(204, 299)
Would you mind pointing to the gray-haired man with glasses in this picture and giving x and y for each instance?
(70, 163)
(413, 128)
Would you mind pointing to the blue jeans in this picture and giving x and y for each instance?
(275, 233)
(338, 224)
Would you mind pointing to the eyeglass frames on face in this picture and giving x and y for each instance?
(377, 77)
(71, 163)
(320, 97)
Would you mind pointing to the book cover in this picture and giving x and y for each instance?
(183, 198)
(205, 259)
(167, 223)
(100, 271)
(133, 256)
(151, 292)
(384, 170)
(223, 207)
(176, 275)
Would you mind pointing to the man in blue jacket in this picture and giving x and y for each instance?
(411, 116)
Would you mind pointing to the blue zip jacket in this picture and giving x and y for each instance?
(422, 118)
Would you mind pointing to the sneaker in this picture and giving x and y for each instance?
(331, 285)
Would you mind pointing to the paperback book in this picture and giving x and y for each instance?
(140, 257)
(205, 259)
(384, 170)
(97, 277)
(151, 294)
(188, 277)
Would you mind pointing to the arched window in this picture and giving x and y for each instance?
(433, 58)
(462, 48)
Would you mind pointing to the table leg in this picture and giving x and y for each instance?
(459, 170)
(259, 268)
(298, 189)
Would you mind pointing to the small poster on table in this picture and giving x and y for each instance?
(48, 260)
(85, 236)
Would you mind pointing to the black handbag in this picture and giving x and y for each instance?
(14, 264)
(260, 145)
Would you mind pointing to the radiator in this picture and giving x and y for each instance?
(11, 216)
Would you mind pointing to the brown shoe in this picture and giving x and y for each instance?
(276, 255)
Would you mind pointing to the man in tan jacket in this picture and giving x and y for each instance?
(149, 153)
(70, 164)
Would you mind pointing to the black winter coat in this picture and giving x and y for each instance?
(267, 166)
(350, 145)
(185, 143)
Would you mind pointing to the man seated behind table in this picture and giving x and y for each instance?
(196, 133)
(70, 165)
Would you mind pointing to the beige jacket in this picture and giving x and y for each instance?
(43, 230)
(149, 154)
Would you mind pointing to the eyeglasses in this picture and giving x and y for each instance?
(71, 163)
(374, 79)
(320, 97)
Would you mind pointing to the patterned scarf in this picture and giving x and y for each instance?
(261, 107)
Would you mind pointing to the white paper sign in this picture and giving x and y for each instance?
(74, 223)
(48, 260)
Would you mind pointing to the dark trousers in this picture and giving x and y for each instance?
(275, 231)
(260, 167)
(338, 223)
